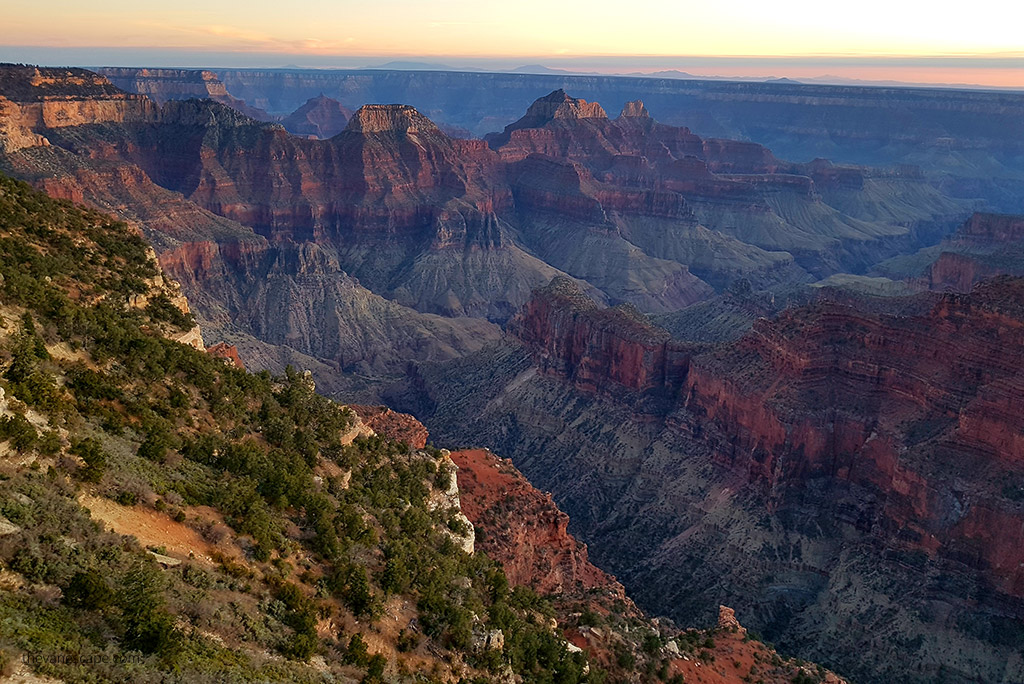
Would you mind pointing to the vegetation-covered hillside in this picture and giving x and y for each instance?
(268, 540)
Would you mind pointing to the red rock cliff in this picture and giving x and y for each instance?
(398, 426)
(597, 349)
(1000, 228)
(985, 245)
(918, 411)
(523, 529)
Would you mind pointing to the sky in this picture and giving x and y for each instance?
(908, 40)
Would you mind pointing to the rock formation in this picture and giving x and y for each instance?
(524, 530)
(319, 117)
(163, 85)
(398, 426)
(972, 135)
(634, 108)
(986, 245)
(228, 352)
(644, 213)
(597, 348)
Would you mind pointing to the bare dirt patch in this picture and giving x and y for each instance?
(155, 529)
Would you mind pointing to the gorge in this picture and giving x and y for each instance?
(789, 387)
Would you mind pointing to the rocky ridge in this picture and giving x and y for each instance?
(524, 530)
(164, 85)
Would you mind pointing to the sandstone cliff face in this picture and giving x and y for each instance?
(989, 228)
(573, 338)
(832, 391)
(398, 426)
(227, 352)
(163, 85)
(33, 99)
(884, 402)
(392, 180)
(958, 272)
(985, 245)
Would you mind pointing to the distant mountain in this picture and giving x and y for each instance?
(669, 73)
(541, 69)
(418, 66)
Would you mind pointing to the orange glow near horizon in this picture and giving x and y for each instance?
(540, 29)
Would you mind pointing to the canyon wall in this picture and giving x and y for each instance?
(838, 473)
(595, 348)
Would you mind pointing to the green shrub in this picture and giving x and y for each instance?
(19, 431)
(356, 652)
(375, 669)
(90, 451)
(88, 590)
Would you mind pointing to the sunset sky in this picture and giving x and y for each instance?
(937, 41)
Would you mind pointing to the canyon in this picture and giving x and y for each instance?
(984, 246)
(676, 331)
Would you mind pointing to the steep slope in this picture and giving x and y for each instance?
(564, 221)
(537, 552)
(526, 532)
(214, 525)
(836, 474)
(298, 296)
